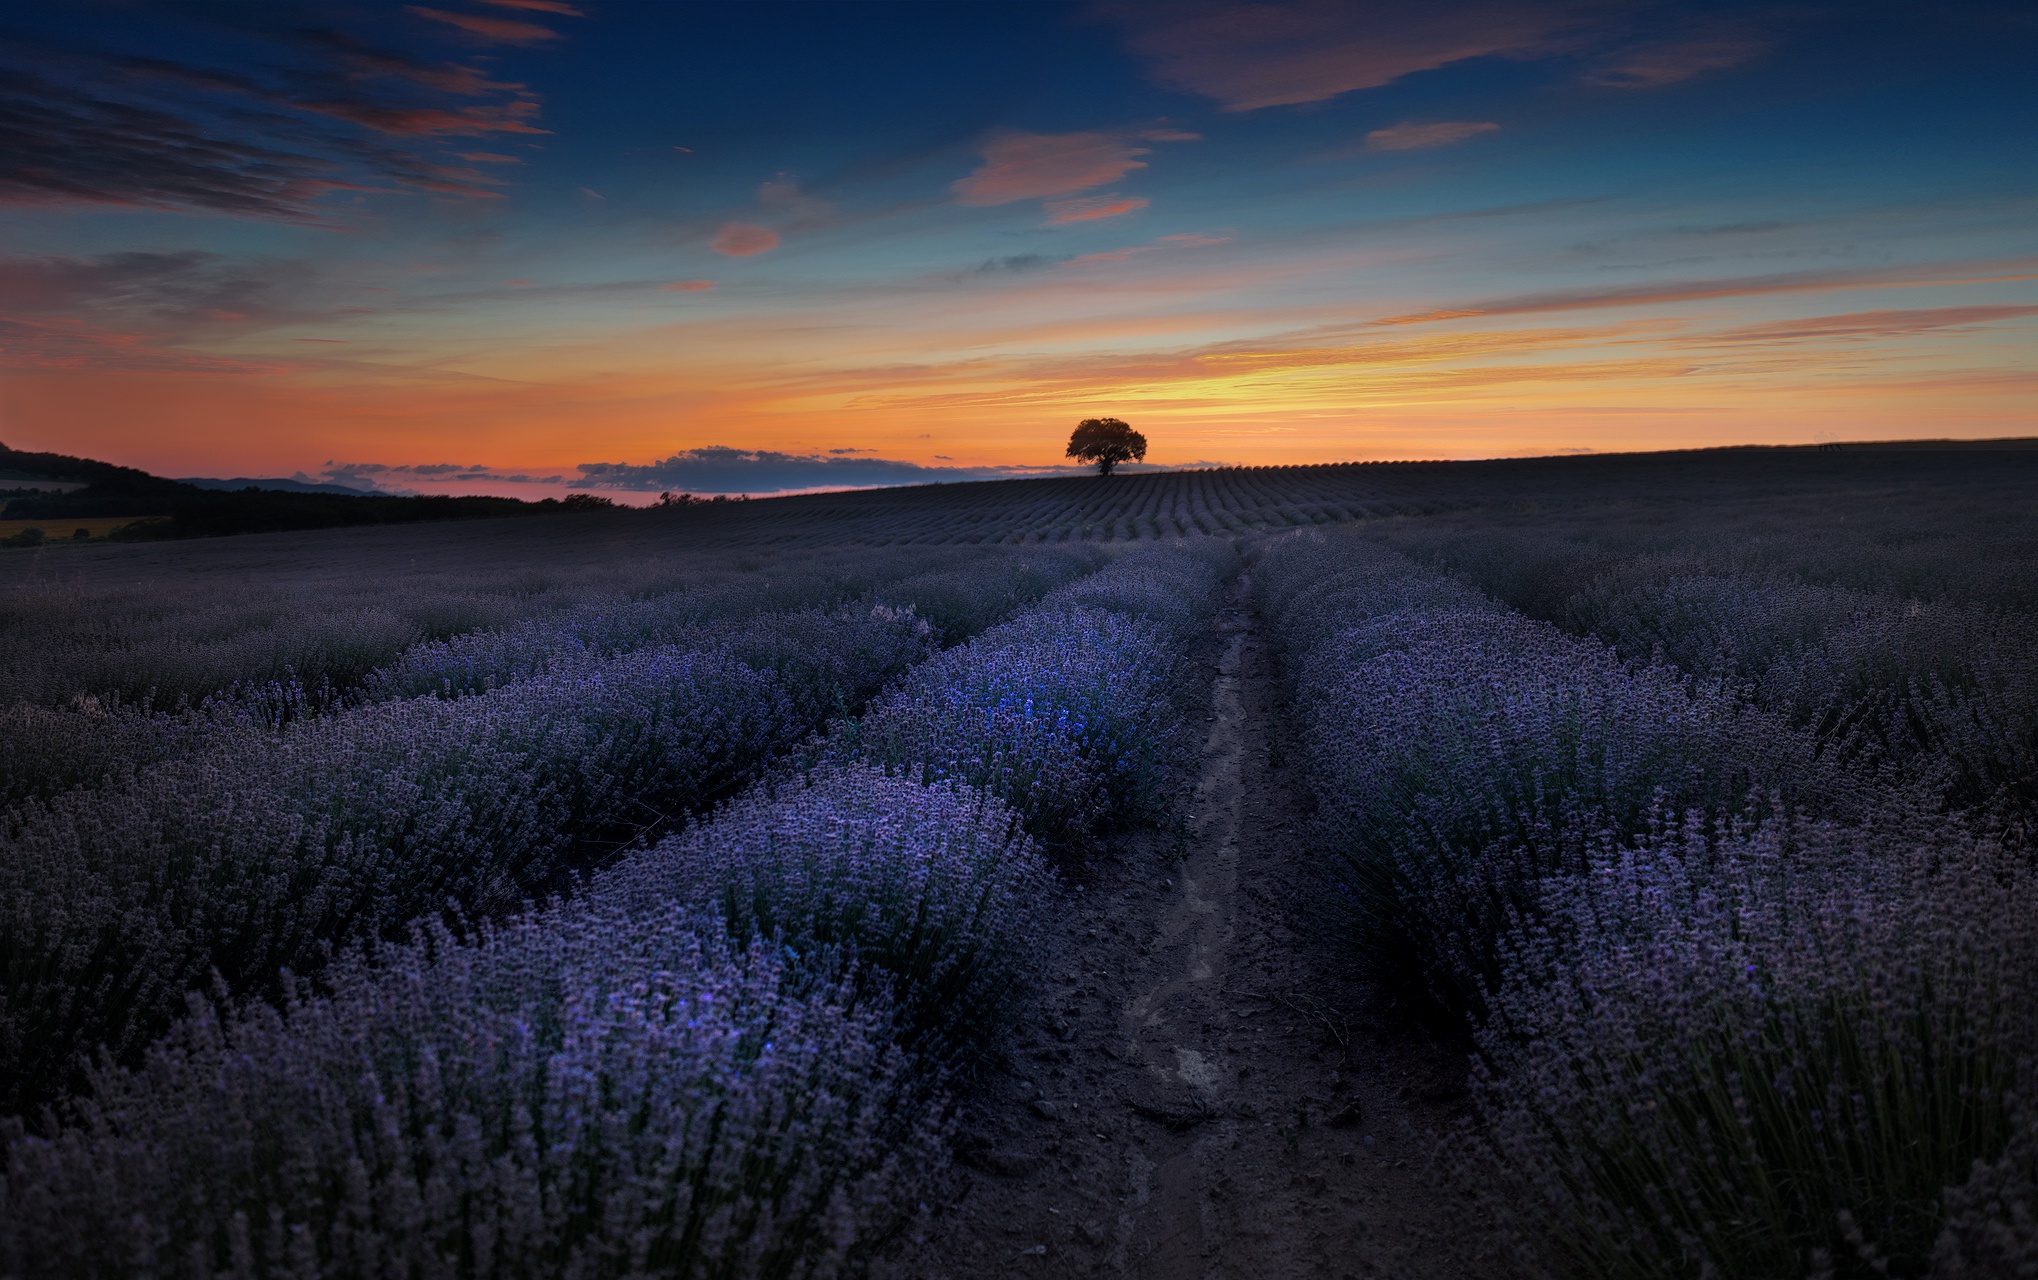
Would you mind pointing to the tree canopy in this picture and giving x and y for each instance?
(1106, 442)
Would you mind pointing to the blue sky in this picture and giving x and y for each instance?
(481, 244)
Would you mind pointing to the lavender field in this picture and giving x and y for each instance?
(1541, 868)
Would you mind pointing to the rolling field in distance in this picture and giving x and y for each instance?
(1242, 500)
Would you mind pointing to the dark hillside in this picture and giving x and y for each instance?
(1917, 483)
(192, 511)
(109, 490)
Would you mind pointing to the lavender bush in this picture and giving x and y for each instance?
(576, 1093)
(1903, 544)
(50, 749)
(255, 856)
(1175, 586)
(959, 592)
(1991, 1228)
(930, 891)
(1936, 696)
(185, 623)
(136, 642)
(1761, 1051)
(1063, 713)
(961, 600)
(271, 661)
(258, 850)
(1735, 1046)
(604, 1087)
(1459, 756)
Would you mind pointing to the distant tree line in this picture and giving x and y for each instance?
(671, 499)
(171, 509)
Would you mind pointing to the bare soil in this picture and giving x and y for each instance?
(1196, 1092)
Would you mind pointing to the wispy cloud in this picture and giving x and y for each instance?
(688, 286)
(60, 145)
(1018, 262)
(320, 112)
(86, 347)
(1411, 136)
(1875, 324)
(1655, 63)
(1736, 287)
(468, 122)
(744, 240)
(1132, 251)
(492, 30)
(783, 208)
(1108, 255)
(143, 287)
(142, 310)
(782, 197)
(1091, 209)
(1032, 166)
(1755, 228)
(537, 6)
(1250, 56)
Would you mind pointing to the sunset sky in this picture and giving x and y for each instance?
(523, 246)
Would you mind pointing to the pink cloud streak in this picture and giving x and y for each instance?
(1249, 56)
(1410, 136)
(744, 240)
(500, 30)
(539, 6)
(1090, 209)
(1029, 166)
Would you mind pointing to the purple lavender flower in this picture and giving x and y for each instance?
(578, 1092)
(930, 892)
(1739, 1050)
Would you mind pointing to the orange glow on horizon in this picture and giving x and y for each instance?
(1182, 347)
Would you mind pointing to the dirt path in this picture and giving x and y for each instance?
(1191, 1096)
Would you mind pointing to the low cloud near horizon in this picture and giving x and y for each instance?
(713, 469)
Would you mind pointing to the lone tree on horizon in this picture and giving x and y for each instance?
(1106, 442)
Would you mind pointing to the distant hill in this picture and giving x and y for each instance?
(206, 508)
(107, 489)
(273, 483)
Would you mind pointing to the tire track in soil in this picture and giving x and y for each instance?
(1190, 1097)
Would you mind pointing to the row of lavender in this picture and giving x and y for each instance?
(723, 1058)
(1934, 695)
(260, 848)
(1738, 1009)
(181, 624)
(130, 697)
